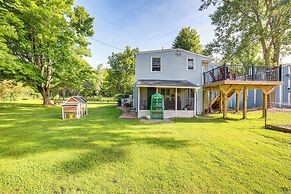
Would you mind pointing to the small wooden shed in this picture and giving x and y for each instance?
(74, 108)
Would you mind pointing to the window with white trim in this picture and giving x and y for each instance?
(156, 64)
(190, 64)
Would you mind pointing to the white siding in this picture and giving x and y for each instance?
(174, 67)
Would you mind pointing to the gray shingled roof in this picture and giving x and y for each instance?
(169, 50)
(80, 99)
(166, 83)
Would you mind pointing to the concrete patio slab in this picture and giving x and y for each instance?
(126, 115)
(156, 120)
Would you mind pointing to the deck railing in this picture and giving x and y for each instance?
(243, 72)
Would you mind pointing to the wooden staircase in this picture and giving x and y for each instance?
(215, 103)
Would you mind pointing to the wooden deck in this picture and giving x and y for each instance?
(228, 87)
(241, 84)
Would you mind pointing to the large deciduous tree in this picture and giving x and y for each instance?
(121, 74)
(243, 25)
(188, 39)
(6, 32)
(77, 77)
(46, 39)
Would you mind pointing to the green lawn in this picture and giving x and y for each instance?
(40, 153)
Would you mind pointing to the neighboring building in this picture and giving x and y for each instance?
(283, 92)
(177, 74)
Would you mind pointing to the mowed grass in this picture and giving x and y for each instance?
(40, 153)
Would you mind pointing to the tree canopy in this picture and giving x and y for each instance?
(188, 39)
(243, 26)
(42, 42)
(120, 77)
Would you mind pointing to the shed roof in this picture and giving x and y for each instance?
(166, 83)
(79, 99)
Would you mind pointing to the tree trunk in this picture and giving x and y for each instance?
(266, 52)
(63, 94)
(45, 93)
(276, 55)
(263, 39)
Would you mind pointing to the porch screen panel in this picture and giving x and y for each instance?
(144, 99)
(188, 99)
(169, 98)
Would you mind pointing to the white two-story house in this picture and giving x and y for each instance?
(176, 74)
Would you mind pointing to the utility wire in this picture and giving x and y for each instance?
(104, 43)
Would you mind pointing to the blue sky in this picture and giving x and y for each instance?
(146, 24)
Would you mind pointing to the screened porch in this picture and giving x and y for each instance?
(179, 101)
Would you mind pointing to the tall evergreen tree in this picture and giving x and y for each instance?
(188, 39)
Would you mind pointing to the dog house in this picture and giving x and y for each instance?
(74, 108)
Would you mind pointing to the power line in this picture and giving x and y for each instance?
(104, 43)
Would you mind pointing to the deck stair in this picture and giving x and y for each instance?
(215, 102)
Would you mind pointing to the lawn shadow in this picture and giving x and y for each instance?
(212, 118)
(29, 129)
(200, 119)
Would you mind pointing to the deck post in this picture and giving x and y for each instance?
(237, 94)
(210, 102)
(176, 102)
(225, 105)
(265, 102)
(245, 102)
(220, 103)
(266, 90)
(204, 101)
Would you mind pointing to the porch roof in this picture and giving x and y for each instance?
(166, 83)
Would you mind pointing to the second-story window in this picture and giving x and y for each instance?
(156, 64)
(190, 64)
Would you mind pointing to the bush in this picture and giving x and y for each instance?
(11, 91)
(101, 99)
